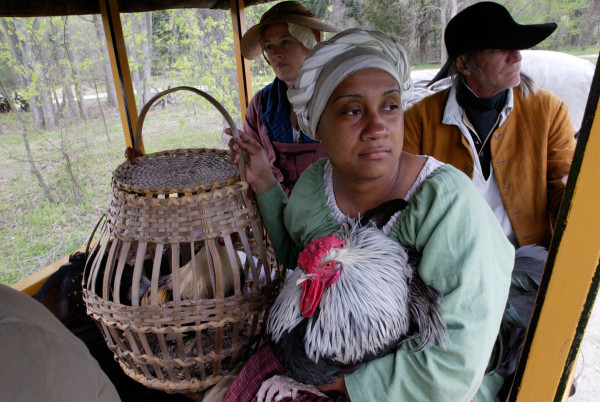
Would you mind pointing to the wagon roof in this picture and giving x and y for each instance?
(38, 8)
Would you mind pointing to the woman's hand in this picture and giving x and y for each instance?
(258, 169)
(339, 384)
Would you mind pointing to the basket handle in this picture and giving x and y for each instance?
(137, 139)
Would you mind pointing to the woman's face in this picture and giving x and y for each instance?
(362, 126)
(284, 52)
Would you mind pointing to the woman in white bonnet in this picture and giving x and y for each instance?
(349, 96)
(284, 36)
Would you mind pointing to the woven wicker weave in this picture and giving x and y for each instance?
(172, 213)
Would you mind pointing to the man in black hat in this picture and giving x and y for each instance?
(514, 140)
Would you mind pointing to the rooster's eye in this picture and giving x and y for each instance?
(329, 264)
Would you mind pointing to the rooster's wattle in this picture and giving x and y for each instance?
(353, 297)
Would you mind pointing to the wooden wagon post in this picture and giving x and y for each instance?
(571, 277)
(238, 20)
(119, 64)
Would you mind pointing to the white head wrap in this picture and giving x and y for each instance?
(303, 34)
(332, 61)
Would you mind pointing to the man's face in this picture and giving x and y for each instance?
(490, 71)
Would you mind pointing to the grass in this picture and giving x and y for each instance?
(425, 66)
(35, 232)
(583, 50)
(589, 53)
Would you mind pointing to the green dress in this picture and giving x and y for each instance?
(465, 255)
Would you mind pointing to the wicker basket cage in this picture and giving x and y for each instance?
(181, 274)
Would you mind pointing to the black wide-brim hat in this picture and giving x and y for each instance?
(488, 25)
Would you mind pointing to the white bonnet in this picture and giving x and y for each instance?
(304, 35)
(332, 61)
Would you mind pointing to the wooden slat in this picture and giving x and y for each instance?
(238, 20)
(570, 282)
(33, 283)
(119, 64)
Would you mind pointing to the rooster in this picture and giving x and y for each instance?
(354, 297)
(204, 282)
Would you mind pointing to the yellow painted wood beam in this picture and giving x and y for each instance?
(571, 277)
(117, 53)
(33, 283)
(238, 19)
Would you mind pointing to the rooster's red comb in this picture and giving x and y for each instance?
(310, 258)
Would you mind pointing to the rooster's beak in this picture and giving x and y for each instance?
(304, 277)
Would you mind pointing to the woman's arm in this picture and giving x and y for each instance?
(270, 197)
(257, 131)
(305, 218)
(467, 257)
(271, 204)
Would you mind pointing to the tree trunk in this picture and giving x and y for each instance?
(111, 94)
(62, 78)
(137, 85)
(15, 49)
(13, 41)
(147, 57)
(75, 71)
(448, 9)
(69, 167)
(139, 51)
(35, 65)
(44, 85)
(60, 103)
(133, 49)
(443, 22)
(32, 166)
(69, 99)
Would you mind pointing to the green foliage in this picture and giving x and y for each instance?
(199, 45)
(384, 15)
(353, 12)
(8, 73)
(167, 38)
(319, 7)
(415, 23)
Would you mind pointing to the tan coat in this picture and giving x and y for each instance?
(42, 360)
(531, 152)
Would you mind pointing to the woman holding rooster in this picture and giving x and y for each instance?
(349, 96)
